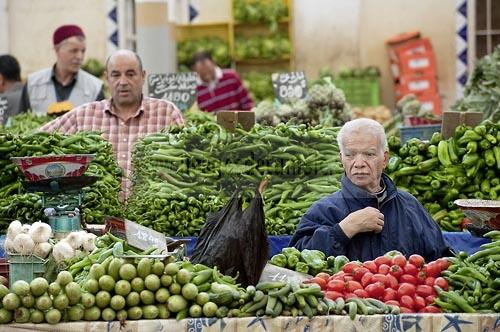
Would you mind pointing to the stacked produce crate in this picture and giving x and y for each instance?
(413, 66)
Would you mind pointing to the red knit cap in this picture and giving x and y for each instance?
(65, 32)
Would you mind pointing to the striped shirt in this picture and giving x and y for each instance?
(151, 117)
(226, 93)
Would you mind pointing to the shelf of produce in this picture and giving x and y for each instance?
(262, 61)
(425, 322)
(248, 24)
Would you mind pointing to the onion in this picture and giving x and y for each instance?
(88, 242)
(15, 228)
(25, 228)
(62, 250)
(42, 250)
(75, 239)
(40, 232)
(9, 246)
(23, 244)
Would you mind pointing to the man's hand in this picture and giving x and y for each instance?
(365, 220)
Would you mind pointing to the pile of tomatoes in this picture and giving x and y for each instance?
(407, 283)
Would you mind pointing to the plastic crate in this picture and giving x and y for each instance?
(25, 268)
(360, 91)
(4, 268)
(422, 132)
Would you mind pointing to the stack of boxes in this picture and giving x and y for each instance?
(413, 66)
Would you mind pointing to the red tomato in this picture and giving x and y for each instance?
(367, 279)
(416, 260)
(392, 281)
(336, 285)
(421, 276)
(430, 309)
(441, 282)
(361, 293)
(399, 260)
(333, 295)
(321, 282)
(349, 267)
(375, 290)
(323, 276)
(359, 272)
(410, 269)
(429, 281)
(392, 302)
(408, 278)
(430, 299)
(350, 296)
(337, 276)
(389, 294)
(407, 301)
(384, 269)
(419, 302)
(382, 260)
(381, 278)
(424, 290)
(405, 310)
(371, 266)
(432, 269)
(444, 263)
(348, 278)
(406, 289)
(396, 271)
(352, 285)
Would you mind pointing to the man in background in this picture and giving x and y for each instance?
(219, 89)
(11, 87)
(65, 85)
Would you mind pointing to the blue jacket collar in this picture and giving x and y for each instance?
(350, 190)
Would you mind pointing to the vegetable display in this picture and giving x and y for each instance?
(474, 281)
(24, 123)
(259, 85)
(28, 239)
(218, 48)
(188, 172)
(482, 92)
(390, 280)
(437, 172)
(268, 12)
(308, 261)
(262, 47)
(100, 199)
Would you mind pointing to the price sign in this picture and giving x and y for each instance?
(289, 86)
(136, 235)
(179, 88)
(3, 110)
(276, 273)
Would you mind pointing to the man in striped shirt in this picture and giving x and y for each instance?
(127, 116)
(219, 89)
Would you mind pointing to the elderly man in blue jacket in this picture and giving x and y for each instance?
(368, 216)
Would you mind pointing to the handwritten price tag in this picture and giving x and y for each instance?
(142, 237)
(289, 86)
(179, 88)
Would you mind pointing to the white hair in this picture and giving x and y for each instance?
(362, 125)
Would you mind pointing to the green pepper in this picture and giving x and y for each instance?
(413, 151)
(496, 152)
(452, 151)
(432, 151)
(469, 135)
(409, 170)
(443, 154)
(494, 192)
(279, 260)
(460, 131)
(393, 164)
(472, 171)
(340, 261)
(471, 147)
(290, 251)
(403, 151)
(302, 267)
(314, 258)
(480, 130)
(292, 261)
(435, 184)
(470, 159)
(484, 144)
(436, 138)
(489, 158)
(422, 179)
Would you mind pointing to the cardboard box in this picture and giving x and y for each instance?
(418, 64)
(418, 85)
(229, 119)
(431, 102)
(394, 42)
(452, 119)
(414, 47)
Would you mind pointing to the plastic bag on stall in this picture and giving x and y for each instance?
(235, 241)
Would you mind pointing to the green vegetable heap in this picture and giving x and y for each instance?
(255, 11)
(25, 122)
(437, 172)
(218, 48)
(100, 199)
(182, 175)
(262, 47)
(308, 261)
(260, 85)
(474, 280)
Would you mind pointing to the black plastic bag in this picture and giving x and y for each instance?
(235, 241)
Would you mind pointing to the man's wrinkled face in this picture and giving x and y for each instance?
(70, 54)
(205, 69)
(364, 160)
(125, 79)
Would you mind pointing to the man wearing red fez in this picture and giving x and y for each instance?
(63, 86)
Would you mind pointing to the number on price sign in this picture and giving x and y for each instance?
(142, 237)
(179, 88)
(289, 86)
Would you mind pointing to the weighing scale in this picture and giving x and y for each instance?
(61, 181)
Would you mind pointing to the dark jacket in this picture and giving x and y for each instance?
(408, 227)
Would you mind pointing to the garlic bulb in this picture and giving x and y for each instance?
(75, 239)
(9, 246)
(40, 232)
(62, 250)
(88, 242)
(42, 249)
(25, 228)
(23, 244)
(15, 228)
